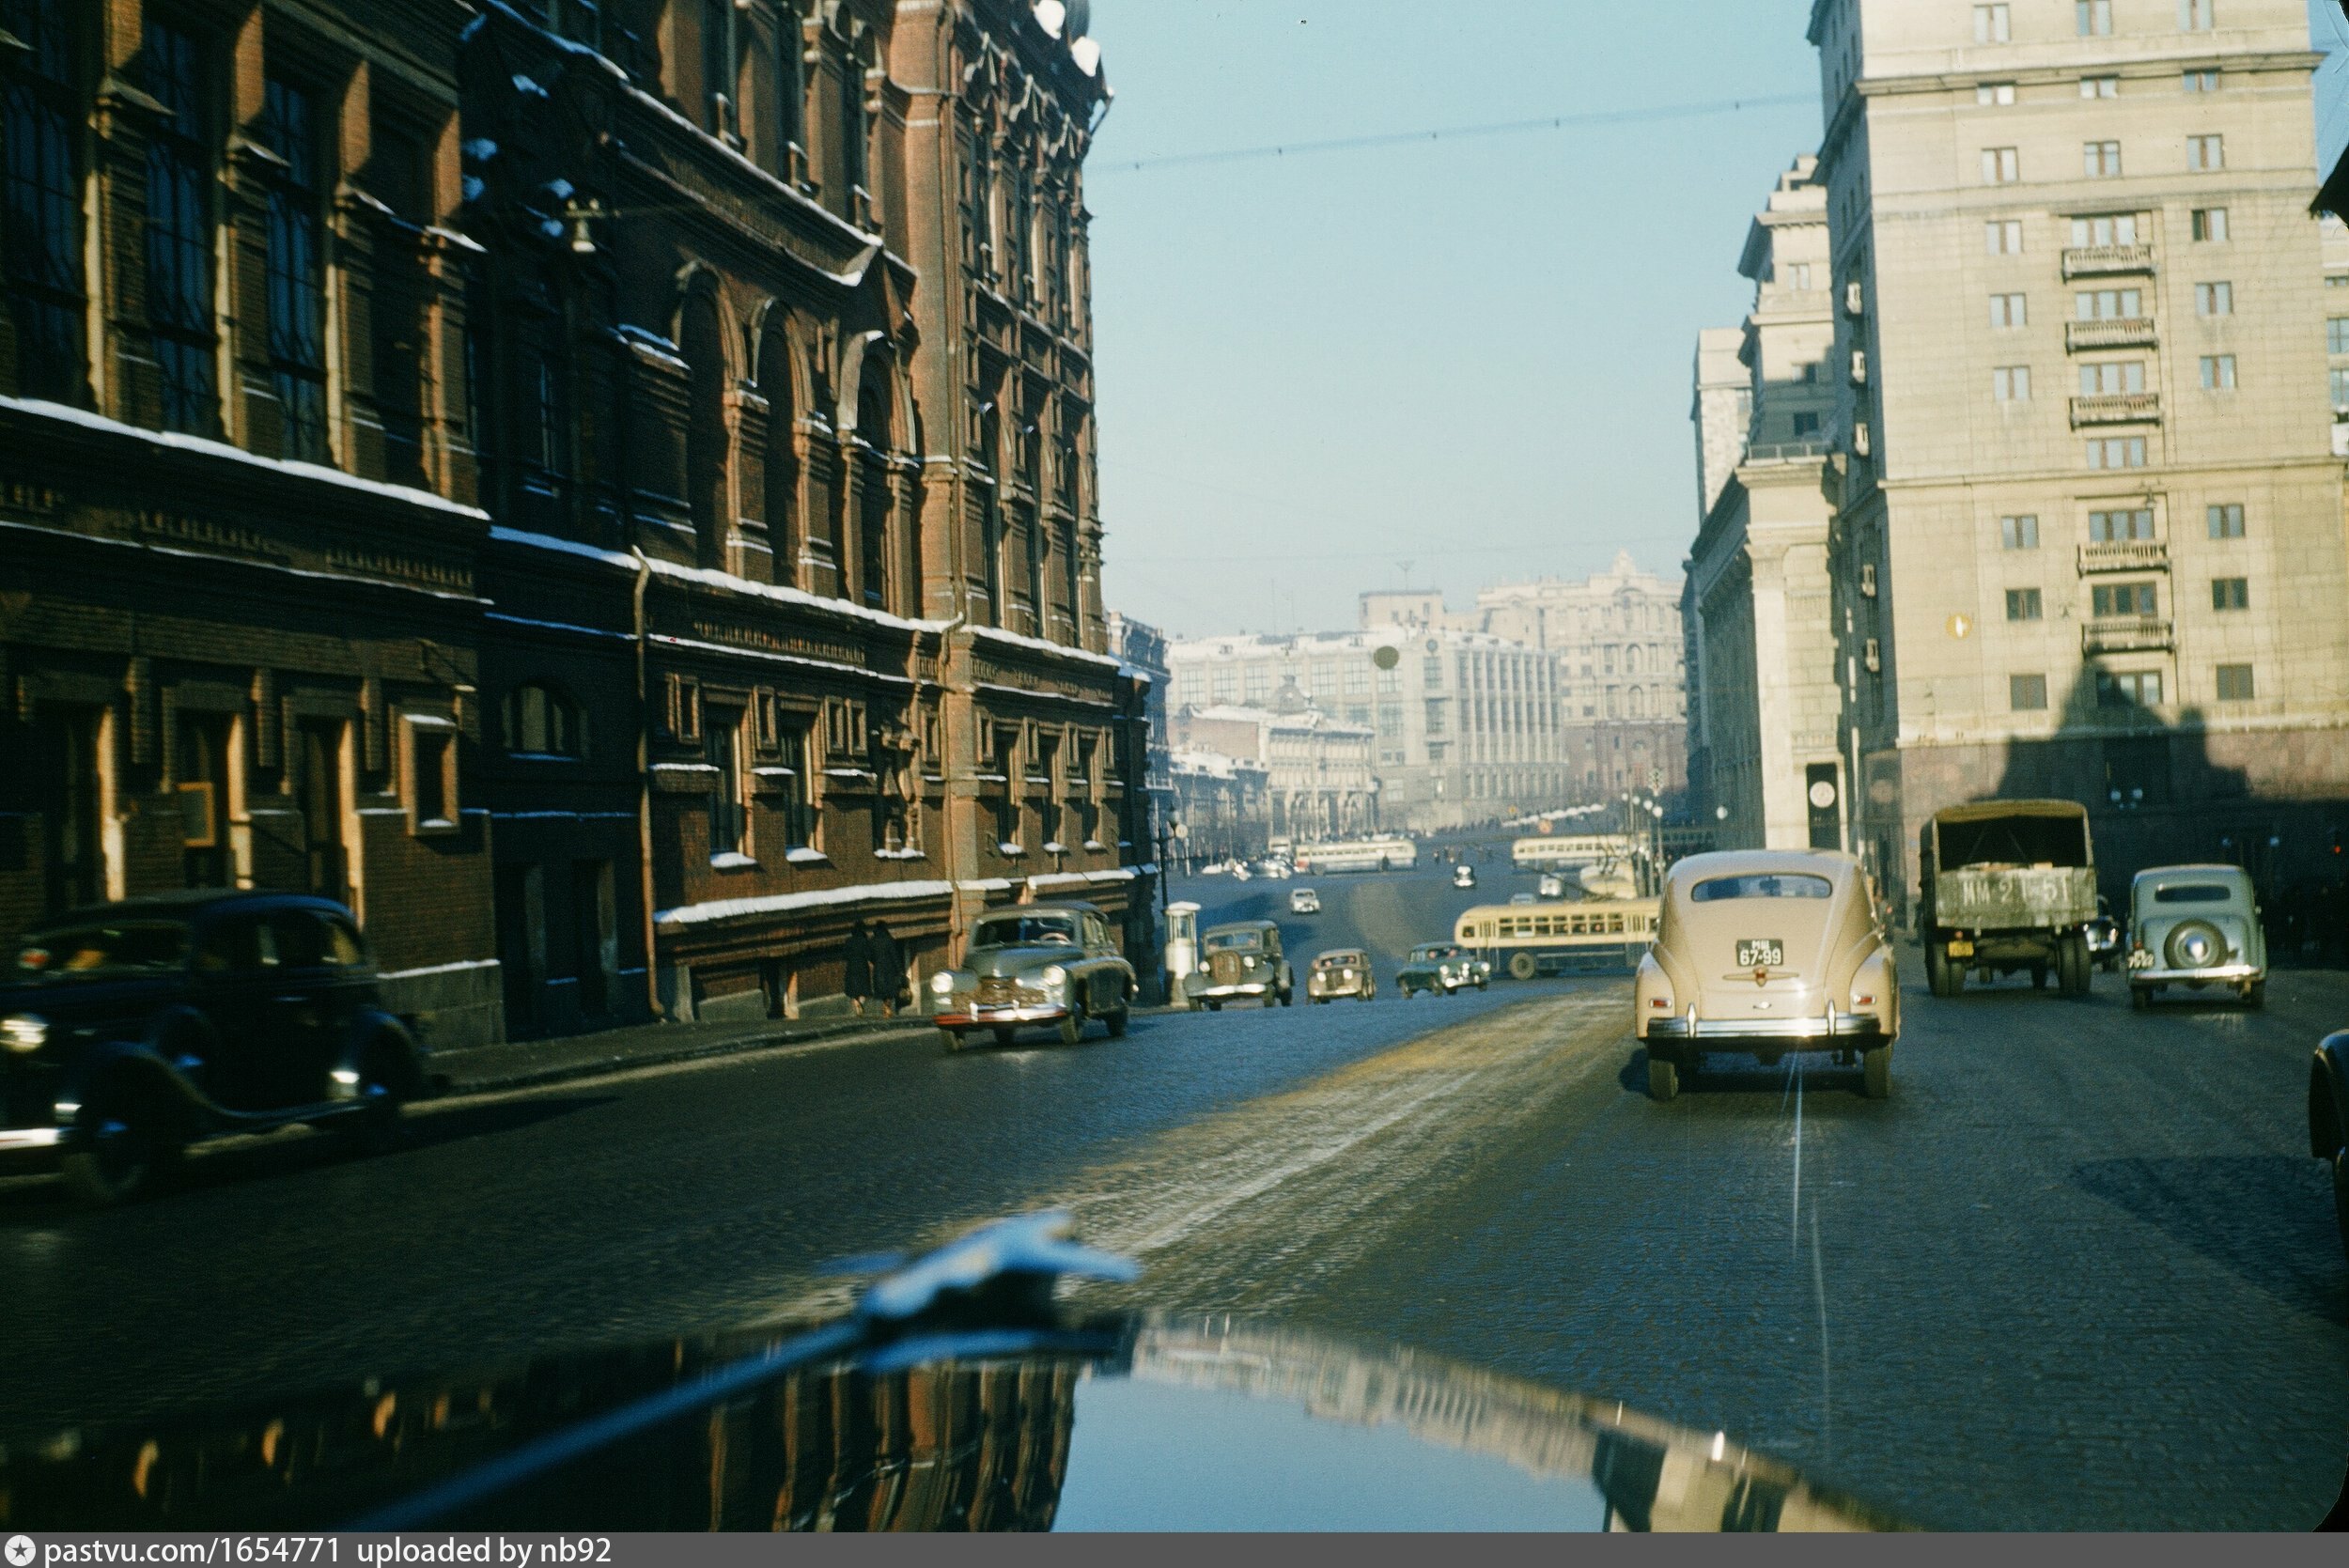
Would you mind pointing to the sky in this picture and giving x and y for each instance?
(1473, 355)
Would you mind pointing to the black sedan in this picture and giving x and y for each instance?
(130, 1030)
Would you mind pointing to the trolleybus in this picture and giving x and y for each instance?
(1598, 936)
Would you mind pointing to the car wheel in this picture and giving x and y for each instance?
(1941, 976)
(2340, 1197)
(2078, 976)
(2255, 995)
(384, 1084)
(2039, 977)
(1663, 1080)
(1215, 1005)
(1288, 999)
(1072, 1026)
(1521, 966)
(953, 1039)
(1875, 1073)
(128, 1149)
(1122, 1018)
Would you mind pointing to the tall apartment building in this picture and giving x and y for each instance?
(1764, 689)
(2090, 536)
(1469, 727)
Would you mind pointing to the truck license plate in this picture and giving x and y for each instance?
(1961, 949)
(1763, 953)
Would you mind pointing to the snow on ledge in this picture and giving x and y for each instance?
(784, 904)
(203, 446)
(1037, 645)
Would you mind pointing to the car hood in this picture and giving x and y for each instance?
(1136, 1423)
(1011, 962)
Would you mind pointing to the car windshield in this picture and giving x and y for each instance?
(1435, 951)
(1338, 960)
(1235, 942)
(104, 952)
(1716, 890)
(1025, 931)
(2194, 892)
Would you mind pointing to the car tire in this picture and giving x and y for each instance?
(128, 1149)
(386, 1082)
(1521, 966)
(1072, 1025)
(1875, 1073)
(1288, 999)
(2039, 977)
(2255, 995)
(1121, 1019)
(1943, 977)
(2340, 1197)
(954, 1040)
(1663, 1080)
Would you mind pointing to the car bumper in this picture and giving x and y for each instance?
(997, 1018)
(1327, 991)
(1835, 1026)
(2217, 973)
(1225, 993)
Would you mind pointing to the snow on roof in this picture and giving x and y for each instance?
(782, 904)
(1037, 645)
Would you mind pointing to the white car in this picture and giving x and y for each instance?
(1463, 876)
(1519, 900)
(1304, 901)
(1553, 885)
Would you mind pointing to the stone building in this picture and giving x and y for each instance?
(1762, 684)
(655, 495)
(1224, 804)
(1468, 726)
(1318, 778)
(2090, 539)
(1143, 647)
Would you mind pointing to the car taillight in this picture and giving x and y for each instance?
(1863, 1001)
(1657, 1004)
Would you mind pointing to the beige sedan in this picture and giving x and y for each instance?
(1763, 953)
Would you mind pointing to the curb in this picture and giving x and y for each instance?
(444, 1086)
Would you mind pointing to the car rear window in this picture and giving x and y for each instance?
(1720, 889)
(102, 951)
(2194, 892)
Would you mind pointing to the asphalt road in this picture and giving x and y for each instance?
(2078, 1273)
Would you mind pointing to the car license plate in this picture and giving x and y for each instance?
(1961, 949)
(1765, 953)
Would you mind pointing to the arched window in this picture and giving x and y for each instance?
(541, 721)
(872, 420)
(703, 340)
(1631, 661)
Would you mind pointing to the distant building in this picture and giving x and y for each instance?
(1142, 647)
(1762, 684)
(1225, 805)
(1319, 780)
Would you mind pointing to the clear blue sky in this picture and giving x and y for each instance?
(1472, 355)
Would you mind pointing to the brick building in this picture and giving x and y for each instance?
(655, 494)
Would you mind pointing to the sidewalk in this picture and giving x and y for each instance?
(526, 1063)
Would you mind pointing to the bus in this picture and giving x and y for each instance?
(1598, 936)
(1386, 853)
(1570, 852)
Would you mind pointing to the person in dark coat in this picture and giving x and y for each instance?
(856, 981)
(889, 969)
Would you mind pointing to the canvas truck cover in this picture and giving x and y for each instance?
(2010, 865)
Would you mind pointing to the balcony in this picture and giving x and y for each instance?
(2132, 332)
(2146, 634)
(2117, 408)
(2101, 262)
(2124, 555)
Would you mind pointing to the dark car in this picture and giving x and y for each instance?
(2328, 1126)
(130, 1030)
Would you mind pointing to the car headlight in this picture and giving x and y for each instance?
(1247, 963)
(942, 984)
(23, 1032)
(1054, 977)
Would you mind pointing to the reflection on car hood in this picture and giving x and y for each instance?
(1151, 1424)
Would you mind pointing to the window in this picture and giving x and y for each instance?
(2210, 226)
(2019, 533)
(2000, 165)
(729, 826)
(2011, 383)
(431, 774)
(2026, 693)
(180, 233)
(2009, 310)
(296, 272)
(2202, 81)
(2003, 235)
(2107, 228)
(2122, 600)
(2100, 160)
(2225, 521)
(1431, 674)
(2213, 299)
(2023, 604)
(2218, 372)
(2230, 593)
(2117, 452)
(2108, 304)
(2120, 527)
(2235, 684)
(2100, 86)
(543, 721)
(2205, 153)
(2341, 392)
(1997, 94)
(2112, 378)
(40, 119)
(1435, 716)
(2128, 688)
(2094, 18)
(2337, 335)
(1798, 277)
(2196, 16)
(1993, 24)
(1806, 424)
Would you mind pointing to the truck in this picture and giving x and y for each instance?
(2007, 887)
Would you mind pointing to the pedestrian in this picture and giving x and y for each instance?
(889, 969)
(855, 979)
